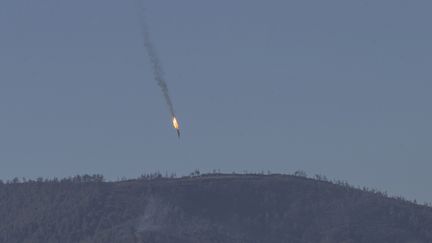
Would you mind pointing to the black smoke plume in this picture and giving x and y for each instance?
(154, 59)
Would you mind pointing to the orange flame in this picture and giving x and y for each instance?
(175, 123)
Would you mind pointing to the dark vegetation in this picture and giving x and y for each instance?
(205, 208)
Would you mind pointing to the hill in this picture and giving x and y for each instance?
(207, 208)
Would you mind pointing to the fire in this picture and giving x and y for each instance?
(175, 123)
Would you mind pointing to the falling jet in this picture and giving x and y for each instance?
(176, 126)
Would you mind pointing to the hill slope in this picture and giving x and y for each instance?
(212, 208)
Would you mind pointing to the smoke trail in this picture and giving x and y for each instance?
(154, 59)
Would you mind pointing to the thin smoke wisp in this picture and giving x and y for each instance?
(155, 62)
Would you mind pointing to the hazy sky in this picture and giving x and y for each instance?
(340, 88)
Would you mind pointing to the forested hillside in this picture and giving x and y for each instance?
(206, 208)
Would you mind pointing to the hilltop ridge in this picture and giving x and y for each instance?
(206, 208)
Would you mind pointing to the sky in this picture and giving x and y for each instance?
(339, 88)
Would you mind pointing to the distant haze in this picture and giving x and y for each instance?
(340, 88)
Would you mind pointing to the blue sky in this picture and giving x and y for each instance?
(340, 88)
